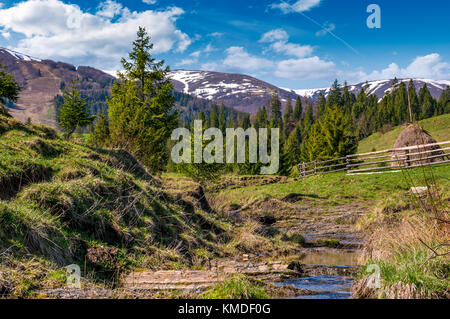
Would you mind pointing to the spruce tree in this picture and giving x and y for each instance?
(288, 111)
(285, 163)
(335, 96)
(203, 173)
(246, 123)
(427, 103)
(444, 101)
(358, 113)
(73, 112)
(401, 104)
(395, 84)
(141, 107)
(348, 99)
(287, 118)
(338, 135)
(202, 118)
(222, 119)
(214, 117)
(293, 147)
(298, 110)
(275, 104)
(360, 105)
(258, 118)
(313, 145)
(9, 90)
(413, 99)
(308, 119)
(264, 117)
(100, 136)
(234, 121)
(321, 105)
(388, 116)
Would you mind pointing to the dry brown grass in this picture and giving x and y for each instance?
(397, 232)
(409, 241)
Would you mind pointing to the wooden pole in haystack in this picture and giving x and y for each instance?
(410, 109)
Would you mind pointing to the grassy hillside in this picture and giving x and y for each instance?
(438, 127)
(339, 187)
(63, 203)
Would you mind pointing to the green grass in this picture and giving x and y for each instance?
(339, 187)
(65, 202)
(237, 287)
(410, 267)
(438, 127)
(294, 238)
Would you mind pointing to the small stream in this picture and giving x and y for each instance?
(326, 286)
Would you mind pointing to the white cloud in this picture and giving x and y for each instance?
(6, 34)
(210, 66)
(196, 55)
(328, 27)
(239, 59)
(149, 1)
(109, 9)
(274, 35)
(209, 48)
(429, 66)
(278, 39)
(216, 34)
(186, 62)
(298, 6)
(303, 69)
(303, 66)
(54, 29)
(292, 49)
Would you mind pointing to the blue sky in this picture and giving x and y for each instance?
(295, 44)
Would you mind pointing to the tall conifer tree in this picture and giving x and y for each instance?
(298, 110)
(141, 107)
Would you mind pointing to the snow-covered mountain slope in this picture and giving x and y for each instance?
(239, 91)
(246, 93)
(381, 88)
(18, 55)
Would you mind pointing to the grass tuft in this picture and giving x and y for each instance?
(237, 287)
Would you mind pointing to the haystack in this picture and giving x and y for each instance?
(415, 135)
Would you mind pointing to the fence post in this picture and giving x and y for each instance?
(315, 167)
(405, 161)
(347, 167)
(299, 170)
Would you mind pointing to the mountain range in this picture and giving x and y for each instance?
(43, 80)
(381, 88)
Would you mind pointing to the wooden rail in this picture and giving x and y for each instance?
(381, 161)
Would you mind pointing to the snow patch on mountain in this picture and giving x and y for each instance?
(19, 56)
(380, 88)
(240, 91)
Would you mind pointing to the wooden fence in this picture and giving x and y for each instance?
(388, 160)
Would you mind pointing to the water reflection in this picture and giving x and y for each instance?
(328, 287)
